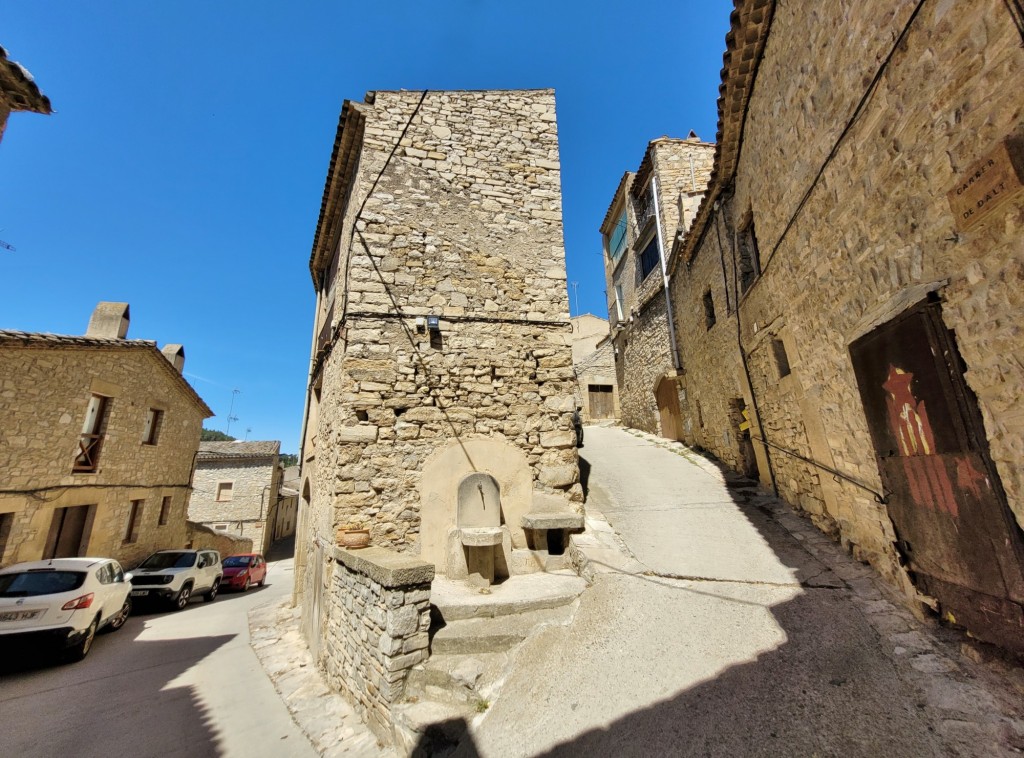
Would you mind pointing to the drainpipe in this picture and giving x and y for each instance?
(664, 276)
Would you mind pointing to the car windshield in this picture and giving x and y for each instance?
(40, 582)
(235, 561)
(169, 560)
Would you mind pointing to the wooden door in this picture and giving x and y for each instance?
(668, 409)
(955, 531)
(600, 399)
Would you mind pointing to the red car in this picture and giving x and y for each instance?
(244, 570)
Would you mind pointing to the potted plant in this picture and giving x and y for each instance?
(353, 536)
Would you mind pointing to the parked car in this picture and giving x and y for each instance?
(62, 603)
(244, 570)
(174, 576)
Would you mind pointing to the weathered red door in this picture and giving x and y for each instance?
(955, 532)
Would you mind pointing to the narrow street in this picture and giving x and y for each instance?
(740, 630)
(166, 684)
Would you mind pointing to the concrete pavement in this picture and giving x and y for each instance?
(166, 684)
(738, 629)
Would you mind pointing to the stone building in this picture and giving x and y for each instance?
(237, 489)
(649, 210)
(18, 92)
(441, 383)
(849, 297)
(287, 511)
(593, 361)
(97, 439)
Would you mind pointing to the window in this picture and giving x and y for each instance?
(154, 418)
(89, 443)
(221, 527)
(781, 358)
(615, 240)
(224, 491)
(709, 310)
(649, 258)
(165, 511)
(131, 534)
(643, 207)
(750, 258)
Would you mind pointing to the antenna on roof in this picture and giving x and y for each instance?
(7, 245)
(231, 416)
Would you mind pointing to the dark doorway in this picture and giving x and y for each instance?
(954, 528)
(67, 532)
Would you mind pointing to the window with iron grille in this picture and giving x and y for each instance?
(649, 258)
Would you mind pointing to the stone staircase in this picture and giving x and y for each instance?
(473, 647)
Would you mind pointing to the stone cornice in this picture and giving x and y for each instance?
(750, 23)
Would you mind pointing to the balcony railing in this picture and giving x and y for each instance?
(643, 208)
(88, 457)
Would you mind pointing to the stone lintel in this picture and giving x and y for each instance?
(563, 520)
(386, 567)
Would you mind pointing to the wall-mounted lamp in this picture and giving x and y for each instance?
(433, 323)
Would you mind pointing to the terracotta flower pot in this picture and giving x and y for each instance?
(353, 539)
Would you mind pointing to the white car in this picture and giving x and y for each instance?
(174, 576)
(62, 603)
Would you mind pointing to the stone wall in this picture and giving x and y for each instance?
(378, 611)
(45, 387)
(873, 235)
(464, 224)
(253, 493)
(202, 537)
(682, 169)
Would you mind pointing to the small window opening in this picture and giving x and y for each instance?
(556, 542)
(362, 416)
(750, 257)
(131, 534)
(709, 310)
(165, 511)
(154, 418)
(225, 491)
(781, 358)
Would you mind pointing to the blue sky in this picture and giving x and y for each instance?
(183, 167)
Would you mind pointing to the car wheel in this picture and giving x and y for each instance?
(211, 594)
(81, 649)
(122, 615)
(245, 587)
(262, 581)
(182, 598)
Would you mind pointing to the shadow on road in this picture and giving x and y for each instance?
(822, 686)
(121, 700)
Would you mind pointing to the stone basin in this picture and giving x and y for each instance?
(481, 536)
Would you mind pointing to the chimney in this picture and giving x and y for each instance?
(109, 320)
(176, 355)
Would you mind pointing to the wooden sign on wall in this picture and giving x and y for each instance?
(988, 183)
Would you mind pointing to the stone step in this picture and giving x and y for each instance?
(494, 634)
(518, 594)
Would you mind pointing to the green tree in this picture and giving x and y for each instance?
(289, 459)
(212, 435)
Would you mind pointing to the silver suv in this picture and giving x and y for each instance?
(173, 576)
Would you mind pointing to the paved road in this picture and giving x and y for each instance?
(729, 638)
(166, 684)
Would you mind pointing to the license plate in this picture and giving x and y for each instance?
(20, 615)
(140, 593)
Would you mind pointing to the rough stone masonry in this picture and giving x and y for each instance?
(442, 334)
